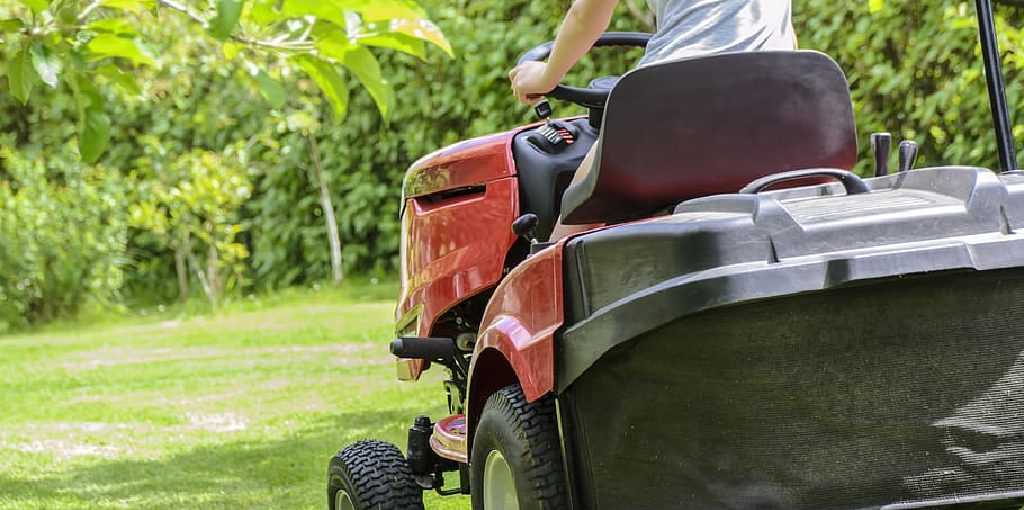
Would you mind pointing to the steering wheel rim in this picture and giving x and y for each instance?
(585, 96)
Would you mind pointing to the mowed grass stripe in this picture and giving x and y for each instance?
(238, 409)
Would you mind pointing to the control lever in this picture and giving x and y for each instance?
(553, 136)
(908, 155)
(525, 226)
(881, 146)
(543, 111)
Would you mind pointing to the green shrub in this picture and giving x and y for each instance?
(62, 237)
(192, 206)
(439, 102)
(914, 69)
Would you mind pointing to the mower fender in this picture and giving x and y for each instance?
(516, 342)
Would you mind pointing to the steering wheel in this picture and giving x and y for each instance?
(589, 97)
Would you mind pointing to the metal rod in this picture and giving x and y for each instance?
(996, 86)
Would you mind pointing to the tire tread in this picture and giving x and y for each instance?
(536, 425)
(377, 475)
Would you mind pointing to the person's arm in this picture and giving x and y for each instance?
(583, 25)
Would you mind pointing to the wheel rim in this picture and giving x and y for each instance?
(342, 501)
(499, 486)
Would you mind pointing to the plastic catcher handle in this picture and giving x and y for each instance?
(854, 185)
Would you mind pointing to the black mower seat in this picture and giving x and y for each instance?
(710, 125)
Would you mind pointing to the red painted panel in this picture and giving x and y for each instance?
(452, 251)
(468, 163)
(521, 321)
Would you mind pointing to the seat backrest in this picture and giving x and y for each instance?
(709, 125)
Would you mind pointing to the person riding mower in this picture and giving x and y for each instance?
(752, 325)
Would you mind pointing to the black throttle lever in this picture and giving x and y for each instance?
(543, 111)
(881, 146)
(554, 136)
(908, 155)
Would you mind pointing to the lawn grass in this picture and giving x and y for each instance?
(241, 409)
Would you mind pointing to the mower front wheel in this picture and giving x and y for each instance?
(516, 462)
(372, 475)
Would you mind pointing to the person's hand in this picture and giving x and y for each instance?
(530, 81)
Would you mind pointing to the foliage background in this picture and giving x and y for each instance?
(71, 233)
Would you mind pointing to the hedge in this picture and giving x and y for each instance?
(914, 69)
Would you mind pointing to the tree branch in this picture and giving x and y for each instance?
(172, 4)
(300, 45)
(287, 46)
(91, 7)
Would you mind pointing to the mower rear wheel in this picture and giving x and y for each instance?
(516, 462)
(372, 475)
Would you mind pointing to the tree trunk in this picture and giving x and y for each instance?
(212, 274)
(180, 261)
(208, 276)
(325, 203)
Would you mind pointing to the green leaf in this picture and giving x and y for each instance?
(68, 14)
(264, 12)
(376, 10)
(421, 29)
(135, 6)
(46, 65)
(876, 5)
(11, 25)
(329, 80)
(110, 45)
(93, 122)
(331, 41)
(301, 121)
(339, 12)
(329, 10)
(126, 81)
(37, 6)
(271, 90)
(93, 135)
(334, 43)
(228, 13)
(364, 65)
(396, 24)
(119, 26)
(403, 43)
(230, 49)
(21, 76)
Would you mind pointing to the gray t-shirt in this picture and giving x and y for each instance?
(689, 28)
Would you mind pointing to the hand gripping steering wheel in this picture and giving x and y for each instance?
(587, 97)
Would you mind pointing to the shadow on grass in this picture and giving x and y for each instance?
(279, 473)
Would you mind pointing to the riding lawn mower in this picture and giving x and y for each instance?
(753, 325)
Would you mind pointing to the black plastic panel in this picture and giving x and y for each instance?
(902, 393)
(728, 249)
(544, 176)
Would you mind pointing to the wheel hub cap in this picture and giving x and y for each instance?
(499, 486)
(342, 501)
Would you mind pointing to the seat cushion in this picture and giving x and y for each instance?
(709, 125)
